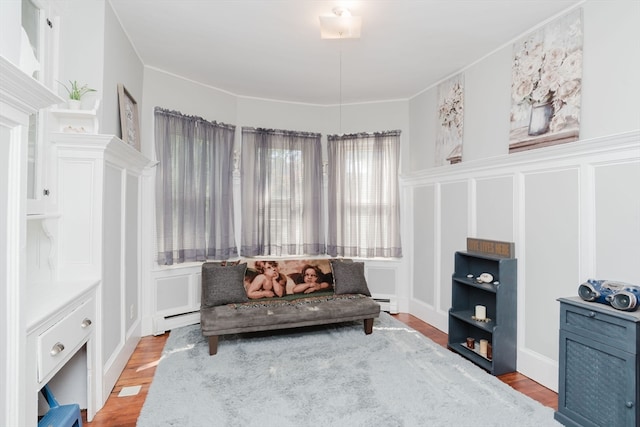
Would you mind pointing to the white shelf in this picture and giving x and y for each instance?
(75, 121)
(38, 217)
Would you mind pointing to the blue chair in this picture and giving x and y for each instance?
(59, 415)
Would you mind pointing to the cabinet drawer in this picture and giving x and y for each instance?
(599, 326)
(58, 343)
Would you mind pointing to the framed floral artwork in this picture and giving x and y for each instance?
(546, 85)
(450, 120)
(129, 121)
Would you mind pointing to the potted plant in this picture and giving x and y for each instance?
(76, 92)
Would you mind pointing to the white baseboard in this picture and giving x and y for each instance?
(427, 313)
(114, 368)
(539, 368)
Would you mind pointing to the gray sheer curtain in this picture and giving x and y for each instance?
(282, 202)
(363, 195)
(194, 188)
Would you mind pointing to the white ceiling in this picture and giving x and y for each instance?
(272, 48)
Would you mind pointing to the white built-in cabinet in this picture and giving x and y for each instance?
(69, 234)
(98, 192)
(20, 96)
(62, 340)
(83, 261)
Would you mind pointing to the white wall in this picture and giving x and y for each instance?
(10, 22)
(121, 65)
(171, 92)
(81, 47)
(95, 50)
(162, 89)
(572, 210)
(557, 204)
(419, 153)
(611, 64)
(609, 105)
(487, 104)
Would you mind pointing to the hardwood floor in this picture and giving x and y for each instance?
(124, 411)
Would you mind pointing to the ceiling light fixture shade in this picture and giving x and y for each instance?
(341, 25)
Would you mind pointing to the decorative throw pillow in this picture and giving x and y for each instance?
(349, 278)
(223, 285)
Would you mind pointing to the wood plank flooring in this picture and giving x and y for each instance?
(124, 411)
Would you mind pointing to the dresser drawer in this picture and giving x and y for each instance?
(58, 343)
(599, 326)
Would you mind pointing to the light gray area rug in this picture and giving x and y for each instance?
(329, 376)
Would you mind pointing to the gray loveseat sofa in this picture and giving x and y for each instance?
(226, 308)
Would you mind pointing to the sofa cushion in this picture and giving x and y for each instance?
(223, 284)
(278, 314)
(349, 278)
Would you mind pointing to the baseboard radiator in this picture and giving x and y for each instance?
(387, 303)
(162, 324)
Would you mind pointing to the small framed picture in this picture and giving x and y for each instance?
(129, 117)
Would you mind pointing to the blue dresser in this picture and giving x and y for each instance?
(599, 365)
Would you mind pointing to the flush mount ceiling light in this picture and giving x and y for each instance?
(341, 25)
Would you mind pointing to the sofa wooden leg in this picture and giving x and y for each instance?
(368, 326)
(213, 345)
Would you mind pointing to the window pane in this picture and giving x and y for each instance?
(363, 200)
(282, 207)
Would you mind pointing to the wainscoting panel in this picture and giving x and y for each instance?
(112, 286)
(551, 251)
(424, 244)
(454, 230)
(132, 251)
(495, 207)
(197, 290)
(78, 251)
(617, 250)
(572, 210)
(40, 252)
(171, 295)
(381, 281)
(175, 297)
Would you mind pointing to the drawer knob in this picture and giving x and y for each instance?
(629, 404)
(86, 323)
(57, 348)
(592, 314)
